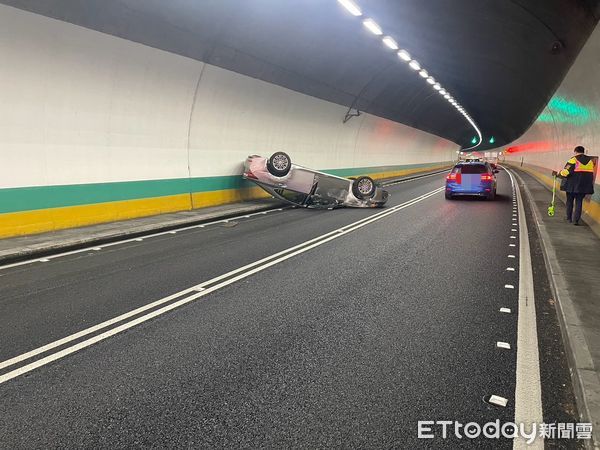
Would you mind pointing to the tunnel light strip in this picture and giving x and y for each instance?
(353, 8)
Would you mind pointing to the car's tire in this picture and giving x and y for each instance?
(279, 164)
(363, 187)
(448, 196)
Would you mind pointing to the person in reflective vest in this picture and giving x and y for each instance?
(578, 181)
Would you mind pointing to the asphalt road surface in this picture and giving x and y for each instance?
(347, 340)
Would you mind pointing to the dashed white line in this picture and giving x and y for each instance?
(509, 286)
(510, 269)
(528, 391)
(511, 256)
(505, 310)
(501, 344)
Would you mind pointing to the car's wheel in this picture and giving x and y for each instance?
(448, 196)
(279, 164)
(363, 187)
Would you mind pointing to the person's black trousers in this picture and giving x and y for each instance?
(575, 200)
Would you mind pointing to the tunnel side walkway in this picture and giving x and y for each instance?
(38, 245)
(573, 262)
(21, 248)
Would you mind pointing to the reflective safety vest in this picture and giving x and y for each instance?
(579, 167)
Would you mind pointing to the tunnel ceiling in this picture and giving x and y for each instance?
(494, 56)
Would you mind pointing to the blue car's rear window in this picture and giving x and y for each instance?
(472, 168)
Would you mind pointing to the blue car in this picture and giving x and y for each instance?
(472, 178)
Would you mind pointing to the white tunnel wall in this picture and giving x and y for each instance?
(571, 118)
(79, 107)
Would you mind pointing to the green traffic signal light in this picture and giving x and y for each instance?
(474, 140)
(492, 140)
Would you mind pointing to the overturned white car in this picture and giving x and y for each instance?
(310, 188)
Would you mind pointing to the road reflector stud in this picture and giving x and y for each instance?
(496, 400)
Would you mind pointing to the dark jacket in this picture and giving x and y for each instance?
(579, 175)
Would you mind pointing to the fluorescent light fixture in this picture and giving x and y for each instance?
(372, 27)
(391, 43)
(351, 7)
(414, 65)
(404, 55)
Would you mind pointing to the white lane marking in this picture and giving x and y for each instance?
(505, 310)
(512, 245)
(242, 272)
(125, 241)
(501, 344)
(510, 269)
(511, 256)
(528, 392)
(172, 232)
(513, 237)
(43, 260)
(509, 286)
(514, 230)
(96, 249)
(498, 401)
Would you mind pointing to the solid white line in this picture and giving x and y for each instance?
(528, 392)
(125, 241)
(243, 272)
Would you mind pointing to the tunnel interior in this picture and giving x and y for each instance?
(501, 60)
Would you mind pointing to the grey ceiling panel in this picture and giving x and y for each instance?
(495, 56)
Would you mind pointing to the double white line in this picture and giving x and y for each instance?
(196, 292)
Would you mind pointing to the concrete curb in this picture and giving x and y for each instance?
(24, 253)
(584, 375)
(129, 233)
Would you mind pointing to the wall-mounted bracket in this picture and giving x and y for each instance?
(350, 114)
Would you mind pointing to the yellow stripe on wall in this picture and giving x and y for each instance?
(52, 219)
(590, 207)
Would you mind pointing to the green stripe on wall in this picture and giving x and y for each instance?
(43, 197)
